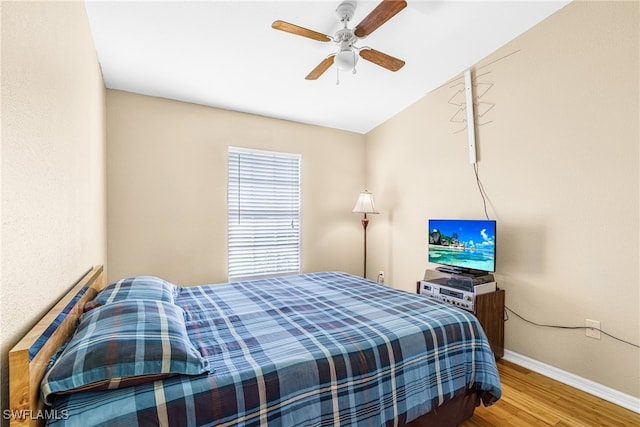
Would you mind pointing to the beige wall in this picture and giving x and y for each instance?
(167, 187)
(53, 154)
(559, 160)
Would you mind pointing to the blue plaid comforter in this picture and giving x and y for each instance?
(319, 349)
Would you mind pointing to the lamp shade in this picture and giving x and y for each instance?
(365, 204)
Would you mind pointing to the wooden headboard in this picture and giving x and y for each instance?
(29, 358)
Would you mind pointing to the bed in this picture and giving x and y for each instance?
(318, 349)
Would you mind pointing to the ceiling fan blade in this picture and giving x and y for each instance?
(382, 59)
(378, 16)
(300, 31)
(321, 68)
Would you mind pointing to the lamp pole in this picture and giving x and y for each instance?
(365, 222)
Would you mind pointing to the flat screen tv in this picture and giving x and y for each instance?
(463, 245)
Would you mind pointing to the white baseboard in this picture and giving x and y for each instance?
(614, 396)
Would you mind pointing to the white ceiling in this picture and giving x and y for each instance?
(225, 54)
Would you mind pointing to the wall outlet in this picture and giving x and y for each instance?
(380, 277)
(593, 328)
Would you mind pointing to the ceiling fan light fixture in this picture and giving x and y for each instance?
(346, 60)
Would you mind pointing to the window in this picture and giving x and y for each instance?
(263, 213)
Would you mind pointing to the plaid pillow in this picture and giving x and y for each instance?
(124, 343)
(138, 287)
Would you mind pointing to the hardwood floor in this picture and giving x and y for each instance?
(531, 399)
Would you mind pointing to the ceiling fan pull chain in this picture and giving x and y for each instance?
(337, 76)
(355, 61)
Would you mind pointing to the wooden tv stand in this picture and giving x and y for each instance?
(490, 312)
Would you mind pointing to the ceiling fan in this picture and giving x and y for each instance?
(347, 55)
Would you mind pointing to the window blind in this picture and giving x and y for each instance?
(264, 207)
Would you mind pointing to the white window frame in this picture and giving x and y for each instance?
(258, 259)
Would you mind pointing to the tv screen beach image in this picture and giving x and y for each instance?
(467, 244)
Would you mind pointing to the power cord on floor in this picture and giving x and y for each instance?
(508, 310)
